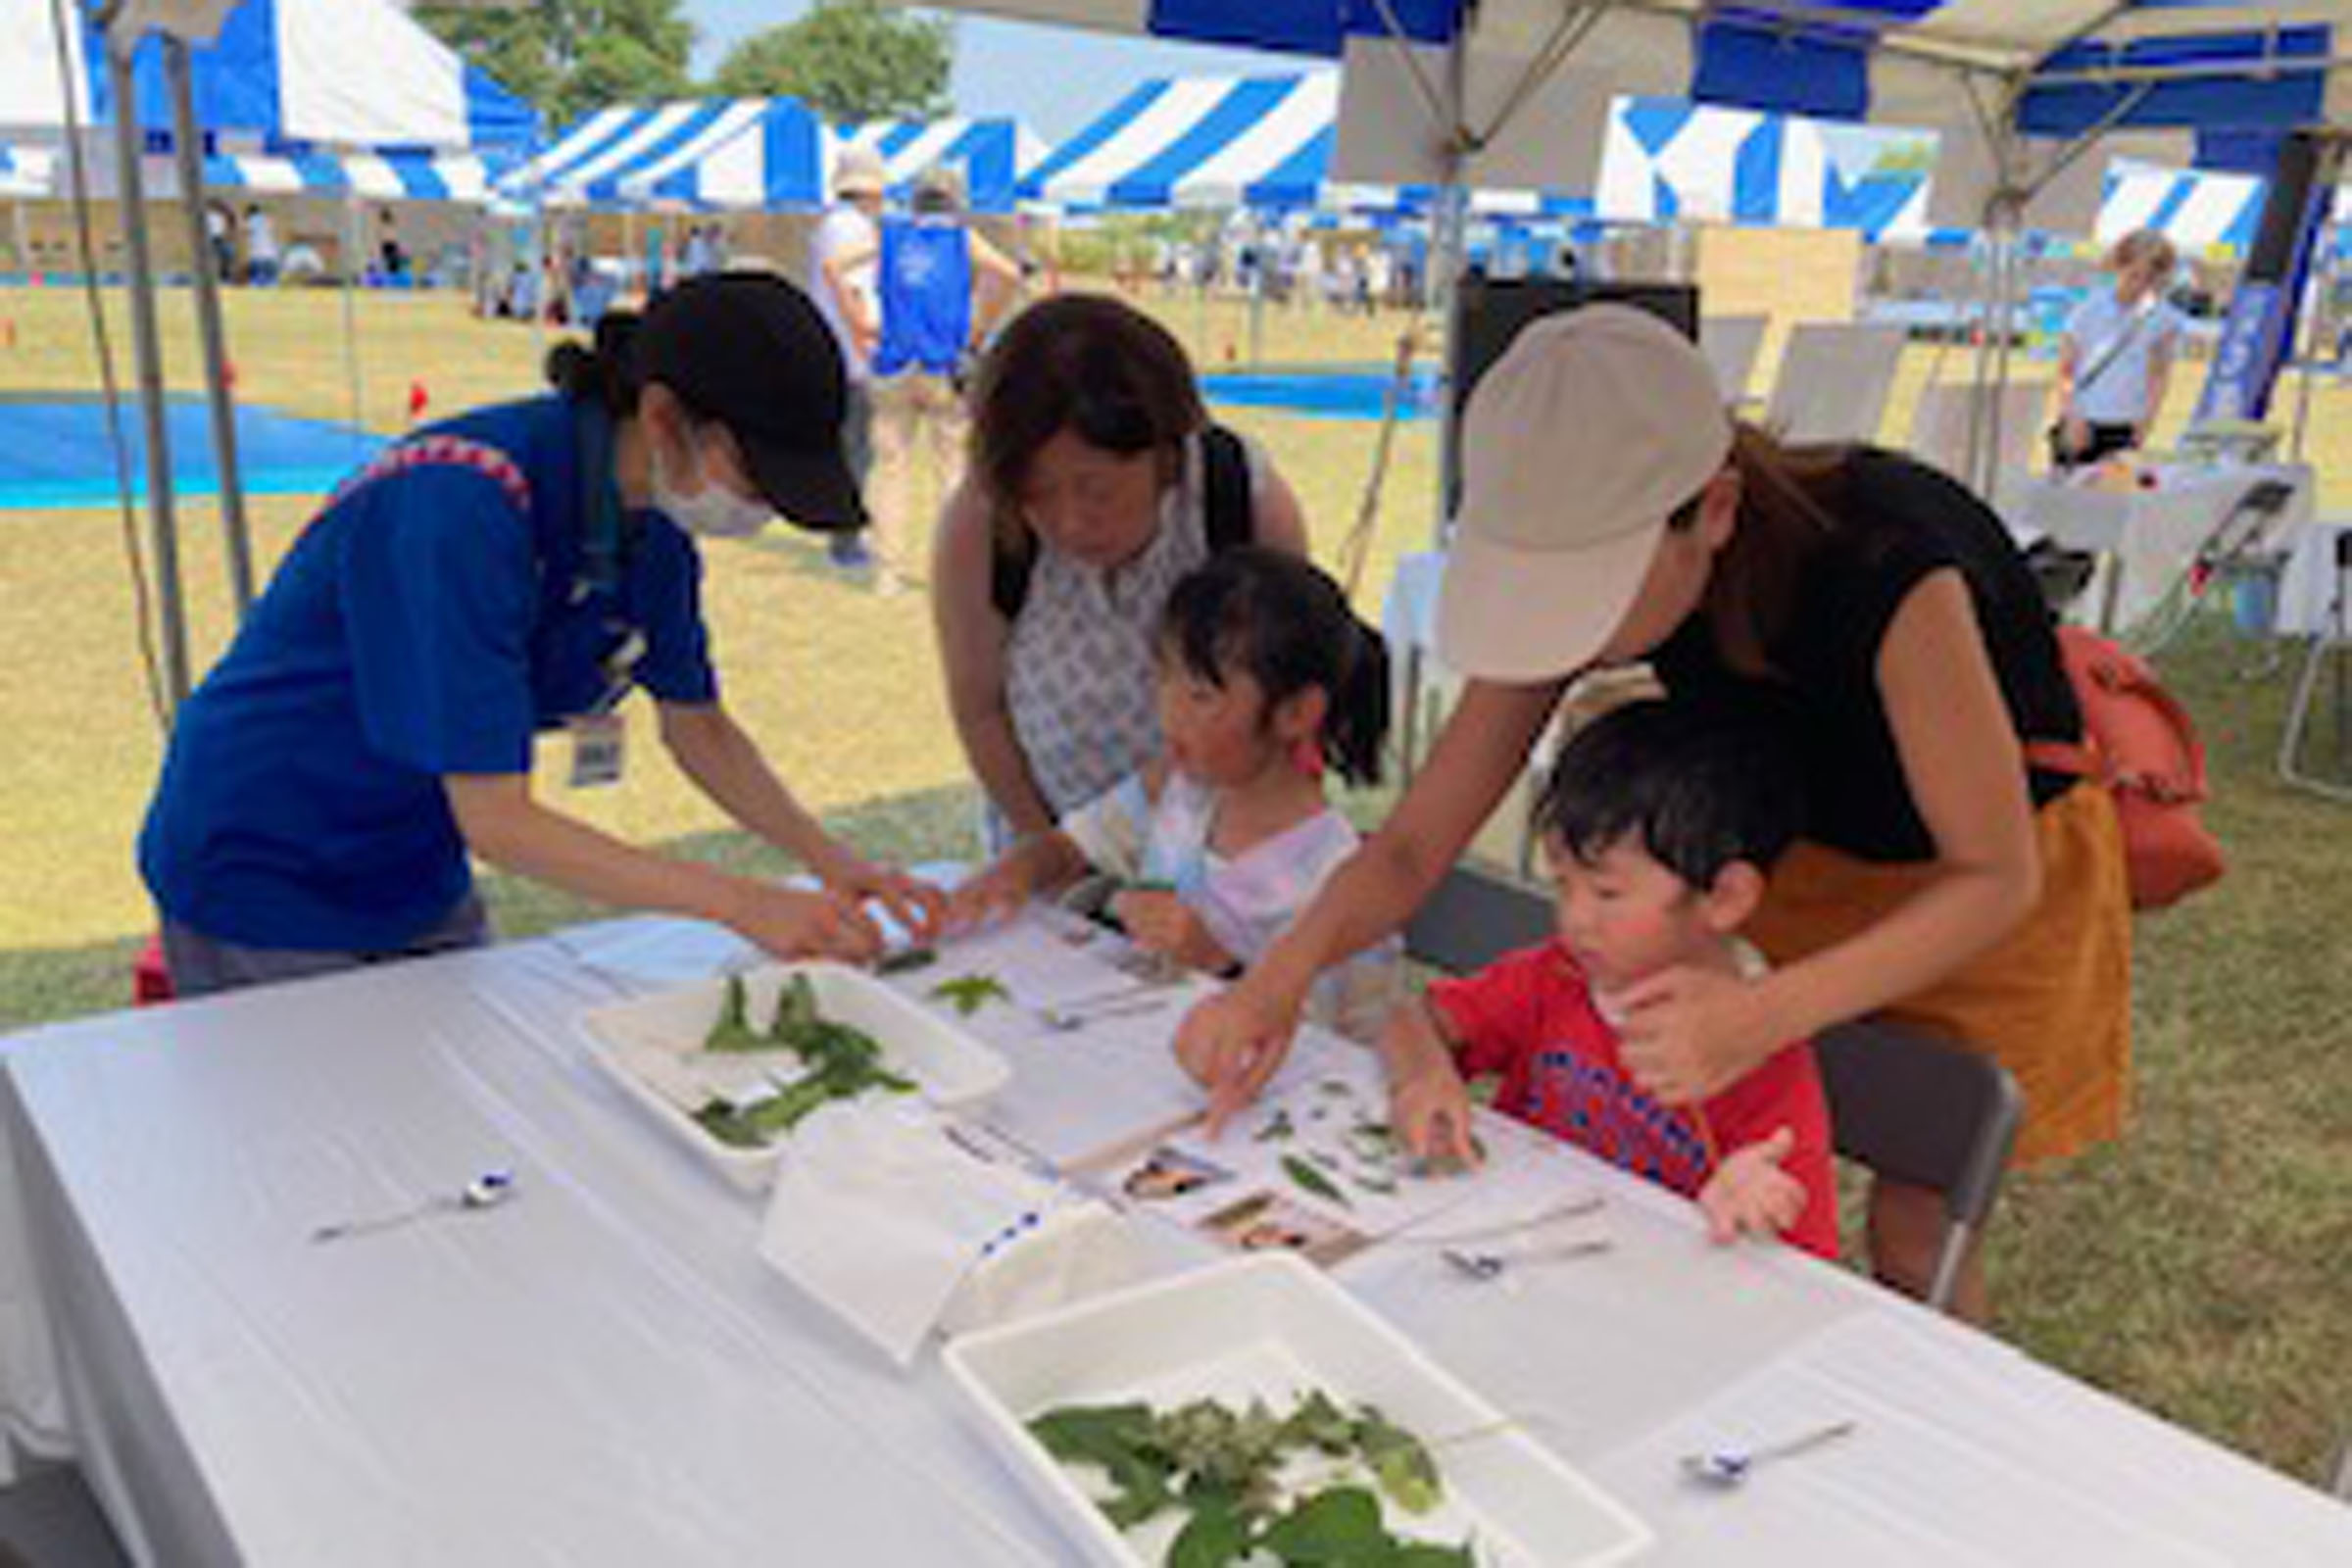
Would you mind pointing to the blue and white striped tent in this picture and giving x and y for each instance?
(1266, 143)
(295, 74)
(26, 173)
(2193, 209)
(2083, 64)
(993, 155)
(768, 153)
(710, 152)
(1199, 141)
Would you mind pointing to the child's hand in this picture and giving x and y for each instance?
(995, 894)
(1161, 922)
(1429, 1110)
(1749, 1194)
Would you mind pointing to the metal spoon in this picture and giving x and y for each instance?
(486, 1190)
(1728, 1468)
(1493, 1265)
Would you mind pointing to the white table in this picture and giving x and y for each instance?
(601, 1372)
(2151, 536)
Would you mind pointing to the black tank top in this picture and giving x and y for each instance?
(1897, 521)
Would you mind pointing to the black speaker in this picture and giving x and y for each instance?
(1489, 312)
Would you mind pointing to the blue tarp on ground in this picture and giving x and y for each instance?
(57, 452)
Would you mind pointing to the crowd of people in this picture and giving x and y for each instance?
(1827, 812)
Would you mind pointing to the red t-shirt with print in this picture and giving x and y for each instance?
(1529, 1017)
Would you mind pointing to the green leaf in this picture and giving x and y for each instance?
(1277, 1128)
(1120, 1439)
(796, 1011)
(1216, 1536)
(1314, 1181)
(969, 993)
(733, 1031)
(1339, 1527)
(1400, 1462)
(1319, 1423)
(906, 961)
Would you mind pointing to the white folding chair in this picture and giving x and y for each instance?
(1834, 381)
(2331, 650)
(1731, 344)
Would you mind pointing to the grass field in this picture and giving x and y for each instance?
(2197, 1268)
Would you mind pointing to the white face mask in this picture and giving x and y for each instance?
(712, 511)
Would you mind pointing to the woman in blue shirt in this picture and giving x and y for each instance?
(516, 570)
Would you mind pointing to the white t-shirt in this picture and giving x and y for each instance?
(261, 238)
(844, 229)
(2119, 393)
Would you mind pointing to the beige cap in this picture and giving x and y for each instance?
(1577, 446)
(858, 171)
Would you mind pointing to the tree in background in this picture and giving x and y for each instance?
(570, 57)
(848, 60)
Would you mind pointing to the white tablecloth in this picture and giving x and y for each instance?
(2153, 535)
(601, 1372)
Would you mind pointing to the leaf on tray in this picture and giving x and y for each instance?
(1215, 1537)
(733, 1031)
(1339, 1526)
(1400, 1462)
(967, 994)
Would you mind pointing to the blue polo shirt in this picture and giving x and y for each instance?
(440, 610)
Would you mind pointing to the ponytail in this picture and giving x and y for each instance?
(605, 373)
(1355, 722)
(1290, 627)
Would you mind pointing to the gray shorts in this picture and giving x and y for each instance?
(203, 966)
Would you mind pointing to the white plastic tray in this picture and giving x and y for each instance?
(1275, 1327)
(653, 1048)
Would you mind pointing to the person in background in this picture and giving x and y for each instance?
(849, 228)
(2115, 358)
(220, 235)
(260, 248)
(1266, 679)
(1095, 482)
(516, 569)
(1660, 824)
(940, 289)
(391, 256)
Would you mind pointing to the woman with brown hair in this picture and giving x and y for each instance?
(1096, 482)
(1614, 512)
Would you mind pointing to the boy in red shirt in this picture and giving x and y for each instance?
(1659, 823)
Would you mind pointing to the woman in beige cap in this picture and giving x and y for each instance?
(1614, 512)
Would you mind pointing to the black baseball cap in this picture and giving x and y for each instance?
(749, 350)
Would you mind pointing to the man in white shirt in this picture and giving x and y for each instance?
(2116, 357)
(841, 262)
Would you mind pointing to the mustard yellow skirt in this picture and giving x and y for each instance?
(2052, 1001)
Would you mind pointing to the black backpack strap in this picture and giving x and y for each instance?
(1008, 572)
(1232, 514)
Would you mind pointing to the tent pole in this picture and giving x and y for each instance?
(237, 537)
(1447, 227)
(351, 314)
(147, 342)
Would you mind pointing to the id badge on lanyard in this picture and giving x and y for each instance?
(600, 741)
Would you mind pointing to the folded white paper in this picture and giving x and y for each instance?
(885, 1212)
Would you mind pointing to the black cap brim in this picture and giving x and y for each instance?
(810, 490)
